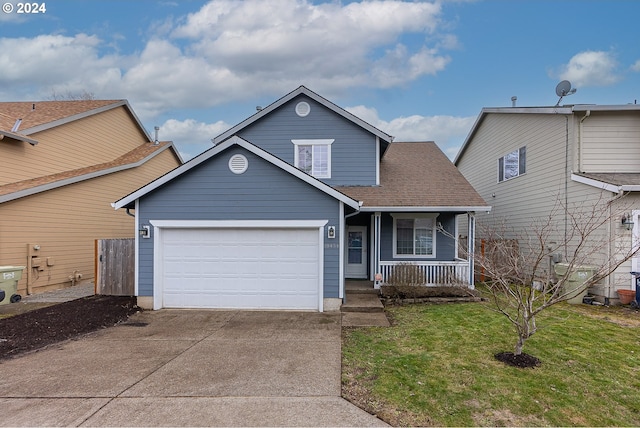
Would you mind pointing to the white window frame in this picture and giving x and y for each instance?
(520, 155)
(313, 143)
(399, 216)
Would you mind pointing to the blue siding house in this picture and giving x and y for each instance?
(291, 202)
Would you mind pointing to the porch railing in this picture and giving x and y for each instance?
(435, 273)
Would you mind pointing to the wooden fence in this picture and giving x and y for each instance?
(115, 267)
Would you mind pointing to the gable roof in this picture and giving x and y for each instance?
(31, 117)
(132, 159)
(128, 200)
(417, 177)
(568, 110)
(302, 90)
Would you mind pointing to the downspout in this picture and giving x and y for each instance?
(611, 236)
(129, 213)
(566, 186)
(586, 115)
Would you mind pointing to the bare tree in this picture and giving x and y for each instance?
(519, 265)
(72, 96)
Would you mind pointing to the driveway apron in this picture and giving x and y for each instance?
(187, 368)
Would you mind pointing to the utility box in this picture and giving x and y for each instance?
(576, 279)
(9, 277)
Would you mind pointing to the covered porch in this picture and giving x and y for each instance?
(375, 247)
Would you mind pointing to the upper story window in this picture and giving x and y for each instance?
(512, 164)
(414, 235)
(313, 157)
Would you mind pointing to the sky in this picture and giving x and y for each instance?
(417, 70)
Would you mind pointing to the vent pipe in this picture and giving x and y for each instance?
(513, 101)
(16, 125)
(155, 141)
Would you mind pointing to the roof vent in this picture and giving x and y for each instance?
(303, 109)
(238, 164)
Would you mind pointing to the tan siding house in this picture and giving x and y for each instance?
(63, 163)
(572, 155)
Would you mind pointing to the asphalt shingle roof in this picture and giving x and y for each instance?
(35, 113)
(416, 175)
(134, 156)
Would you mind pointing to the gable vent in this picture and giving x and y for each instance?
(303, 108)
(238, 164)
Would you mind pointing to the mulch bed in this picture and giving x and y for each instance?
(523, 360)
(36, 329)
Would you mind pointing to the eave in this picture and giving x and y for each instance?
(17, 137)
(127, 201)
(302, 90)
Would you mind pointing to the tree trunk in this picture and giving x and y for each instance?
(519, 345)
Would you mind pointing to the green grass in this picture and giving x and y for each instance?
(435, 366)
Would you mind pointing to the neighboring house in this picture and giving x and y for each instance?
(63, 162)
(289, 203)
(525, 160)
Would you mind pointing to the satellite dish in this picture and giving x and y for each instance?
(563, 89)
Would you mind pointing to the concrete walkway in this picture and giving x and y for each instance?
(187, 368)
(362, 307)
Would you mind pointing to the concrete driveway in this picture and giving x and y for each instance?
(187, 368)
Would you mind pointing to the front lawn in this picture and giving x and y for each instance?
(436, 366)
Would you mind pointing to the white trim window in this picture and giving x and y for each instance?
(313, 157)
(512, 164)
(414, 235)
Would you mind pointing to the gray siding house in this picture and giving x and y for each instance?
(527, 160)
(291, 202)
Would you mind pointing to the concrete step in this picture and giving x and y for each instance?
(362, 302)
(372, 291)
(360, 287)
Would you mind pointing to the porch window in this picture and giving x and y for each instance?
(414, 236)
(313, 157)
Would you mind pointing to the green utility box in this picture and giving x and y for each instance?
(576, 279)
(9, 277)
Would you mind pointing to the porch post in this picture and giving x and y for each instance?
(376, 250)
(471, 246)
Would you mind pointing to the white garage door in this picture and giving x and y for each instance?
(244, 268)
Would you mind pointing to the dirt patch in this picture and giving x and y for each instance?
(33, 330)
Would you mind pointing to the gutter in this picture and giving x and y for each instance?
(609, 187)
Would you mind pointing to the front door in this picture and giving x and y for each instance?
(356, 266)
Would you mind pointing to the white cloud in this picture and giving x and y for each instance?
(282, 44)
(54, 62)
(191, 137)
(636, 66)
(448, 132)
(234, 50)
(591, 68)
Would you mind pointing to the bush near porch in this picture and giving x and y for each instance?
(408, 281)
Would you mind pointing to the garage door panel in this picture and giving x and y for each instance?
(241, 268)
